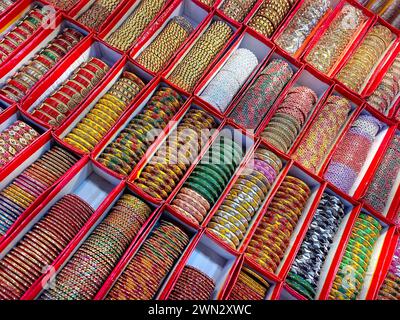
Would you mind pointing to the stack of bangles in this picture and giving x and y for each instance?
(262, 94)
(97, 13)
(22, 31)
(352, 152)
(356, 258)
(59, 105)
(164, 46)
(209, 178)
(302, 25)
(96, 123)
(130, 30)
(31, 183)
(14, 139)
(89, 267)
(237, 9)
(322, 134)
(306, 268)
(249, 286)
(65, 5)
(271, 239)
(233, 218)
(30, 73)
(132, 142)
(390, 289)
(41, 246)
(388, 10)
(5, 4)
(270, 15)
(333, 43)
(192, 284)
(174, 157)
(388, 90)
(209, 44)
(358, 68)
(230, 78)
(149, 267)
(290, 117)
(384, 180)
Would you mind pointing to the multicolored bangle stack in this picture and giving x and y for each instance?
(97, 13)
(174, 157)
(96, 123)
(392, 15)
(132, 142)
(31, 183)
(37, 250)
(237, 9)
(29, 74)
(146, 271)
(189, 70)
(290, 118)
(388, 90)
(130, 30)
(302, 25)
(390, 289)
(5, 4)
(59, 105)
(249, 286)
(205, 184)
(353, 267)
(65, 5)
(233, 218)
(358, 68)
(230, 78)
(272, 236)
(384, 179)
(14, 139)
(306, 269)
(89, 267)
(23, 30)
(350, 155)
(323, 132)
(333, 43)
(192, 284)
(260, 97)
(164, 46)
(270, 15)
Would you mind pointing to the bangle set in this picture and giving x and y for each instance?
(358, 68)
(189, 70)
(84, 274)
(324, 130)
(132, 142)
(21, 31)
(147, 270)
(17, 87)
(130, 30)
(165, 45)
(14, 139)
(105, 113)
(23, 191)
(62, 102)
(41, 246)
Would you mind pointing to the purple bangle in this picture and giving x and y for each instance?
(340, 176)
(266, 170)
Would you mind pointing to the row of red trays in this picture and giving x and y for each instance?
(102, 187)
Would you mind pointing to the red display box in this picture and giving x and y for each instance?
(101, 187)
